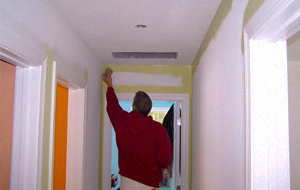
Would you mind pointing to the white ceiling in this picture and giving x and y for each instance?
(109, 26)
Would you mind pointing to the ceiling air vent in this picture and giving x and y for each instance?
(144, 55)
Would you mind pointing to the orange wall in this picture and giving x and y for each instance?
(60, 146)
(7, 90)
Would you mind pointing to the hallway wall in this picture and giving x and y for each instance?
(218, 102)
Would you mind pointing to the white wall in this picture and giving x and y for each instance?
(27, 27)
(294, 119)
(218, 109)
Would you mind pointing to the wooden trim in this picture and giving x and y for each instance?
(15, 58)
(41, 125)
(71, 76)
(24, 173)
(247, 107)
(76, 139)
(74, 79)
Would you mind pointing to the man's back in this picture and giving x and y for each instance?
(144, 145)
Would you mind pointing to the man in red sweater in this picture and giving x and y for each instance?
(143, 144)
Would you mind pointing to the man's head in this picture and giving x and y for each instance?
(142, 103)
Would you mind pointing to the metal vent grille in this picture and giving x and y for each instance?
(144, 55)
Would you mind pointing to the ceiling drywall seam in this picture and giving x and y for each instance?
(222, 12)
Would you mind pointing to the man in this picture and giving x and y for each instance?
(143, 144)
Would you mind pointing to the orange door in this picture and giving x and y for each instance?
(60, 143)
(7, 90)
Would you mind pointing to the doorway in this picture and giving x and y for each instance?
(266, 94)
(32, 151)
(60, 140)
(179, 99)
(158, 112)
(7, 89)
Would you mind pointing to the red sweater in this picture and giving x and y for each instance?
(144, 145)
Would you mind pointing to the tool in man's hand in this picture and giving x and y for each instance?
(110, 72)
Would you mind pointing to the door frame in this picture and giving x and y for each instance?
(32, 151)
(76, 136)
(265, 35)
(185, 136)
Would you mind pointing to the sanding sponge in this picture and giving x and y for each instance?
(109, 71)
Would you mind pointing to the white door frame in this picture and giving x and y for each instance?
(27, 145)
(185, 136)
(76, 135)
(266, 101)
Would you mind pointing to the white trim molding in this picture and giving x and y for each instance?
(16, 59)
(74, 79)
(76, 138)
(27, 145)
(26, 142)
(71, 76)
(275, 20)
(266, 95)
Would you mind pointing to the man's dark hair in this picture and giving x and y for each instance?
(142, 103)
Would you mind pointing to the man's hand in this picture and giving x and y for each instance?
(107, 79)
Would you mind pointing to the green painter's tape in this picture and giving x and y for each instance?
(212, 32)
(47, 119)
(220, 16)
(86, 75)
(251, 8)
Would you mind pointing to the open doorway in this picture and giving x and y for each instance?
(179, 99)
(158, 113)
(60, 141)
(7, 90)
(32, 139)
(266, 94)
